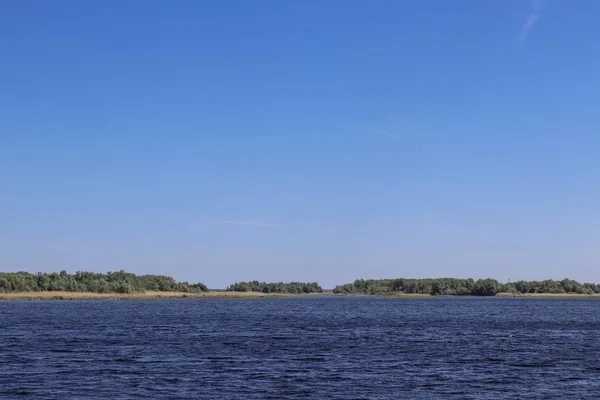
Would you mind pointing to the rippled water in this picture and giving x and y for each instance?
(321, 348)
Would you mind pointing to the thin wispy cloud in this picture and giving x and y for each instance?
(251, 223)
(382, 132)
(532, 19)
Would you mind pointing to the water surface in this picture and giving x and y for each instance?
(306, 347)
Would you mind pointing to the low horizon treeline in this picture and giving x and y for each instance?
(276, 287)
(463, 287)
(110, 282)
(124, 282)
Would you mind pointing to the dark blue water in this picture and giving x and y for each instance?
(321, 348)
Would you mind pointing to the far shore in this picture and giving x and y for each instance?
(549, 295)
(411, 295)
(524, 295)
(148, 295)
(156, 295)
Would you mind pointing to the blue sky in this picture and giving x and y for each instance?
(218, 141)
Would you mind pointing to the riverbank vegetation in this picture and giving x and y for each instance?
(120, 282)
(465, 287)
(279, 287)
(148, 295)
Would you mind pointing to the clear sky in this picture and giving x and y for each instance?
(229, 140)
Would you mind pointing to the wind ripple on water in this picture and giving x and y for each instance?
(338, 348)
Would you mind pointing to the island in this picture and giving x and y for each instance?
(467, 287)
(125, 285)
(279, 287)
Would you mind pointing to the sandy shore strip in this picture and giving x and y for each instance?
(551, 295)
(155, 295)
(149, 295)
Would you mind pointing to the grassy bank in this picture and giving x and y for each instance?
(550, 295)
(149, 295)
(525, 295)
(155, 295)
(409, 296)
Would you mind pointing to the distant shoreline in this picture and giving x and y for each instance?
(549, 295)
(215, 294)
(148, 295)
(504, 295)
(125, 285)
(523, 295)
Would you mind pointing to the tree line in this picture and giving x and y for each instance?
(124, 282)
(463, 287)
(279, 287)
(111, 282)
